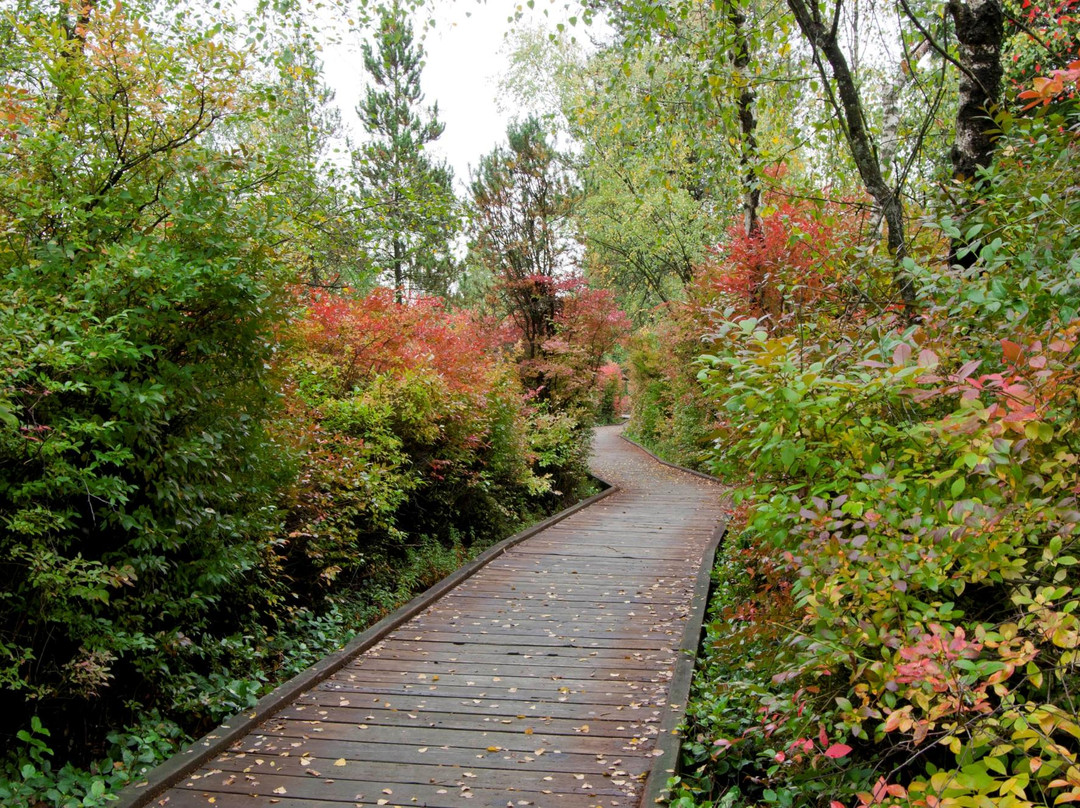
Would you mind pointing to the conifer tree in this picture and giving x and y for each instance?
(414, 214)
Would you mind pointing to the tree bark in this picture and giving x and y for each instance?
(890, 127)
(980, 30)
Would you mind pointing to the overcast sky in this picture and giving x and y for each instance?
(466, 53)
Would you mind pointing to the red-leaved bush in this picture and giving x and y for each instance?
(585, 324)
(410, 421)
(374, 334)
(795, 261)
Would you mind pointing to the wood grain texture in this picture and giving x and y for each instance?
(541, 680)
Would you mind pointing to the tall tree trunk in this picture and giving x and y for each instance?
(889, 142)
(890, 126)
(399, 273)
(748, 155)
(980, 30)
(824, 40)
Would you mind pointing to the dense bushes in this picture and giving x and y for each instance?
(411, 423)
(913, 502)
(669, 412)
(137, 310)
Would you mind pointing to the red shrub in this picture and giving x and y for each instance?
(799, 255)
(374, 334)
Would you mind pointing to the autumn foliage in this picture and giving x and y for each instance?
(410, 420)
(913, 499)
(793, 264)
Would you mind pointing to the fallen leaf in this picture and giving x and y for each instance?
(340, 762)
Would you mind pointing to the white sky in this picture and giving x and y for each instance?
(466, 54)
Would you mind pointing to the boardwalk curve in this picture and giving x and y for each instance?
(541, 680)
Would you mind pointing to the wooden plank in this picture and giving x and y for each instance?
(423, 706)
(451, 652)
(321, 750)
(326, 779)
(529, 721)
(447, 791)
(528, 695)
(468, 742)
(484, 680)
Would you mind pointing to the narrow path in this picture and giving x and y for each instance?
(541, 680)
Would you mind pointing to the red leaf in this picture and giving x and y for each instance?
(837, 750)
(968, 369)
(1011, 350)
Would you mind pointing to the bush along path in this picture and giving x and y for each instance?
(544, 678)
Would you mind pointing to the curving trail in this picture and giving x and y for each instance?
(541, 680)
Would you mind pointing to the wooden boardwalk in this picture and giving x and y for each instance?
(542, 680)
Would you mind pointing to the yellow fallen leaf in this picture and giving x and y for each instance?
(340, 762)
(280, 790)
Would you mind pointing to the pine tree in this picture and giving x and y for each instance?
(522, 199)
(414, 212)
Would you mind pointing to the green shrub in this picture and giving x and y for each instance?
(917, 487)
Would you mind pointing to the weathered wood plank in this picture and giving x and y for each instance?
(321, 750)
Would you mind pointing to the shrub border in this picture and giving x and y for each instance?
(675, 466)
(169, 773)
(669, 739)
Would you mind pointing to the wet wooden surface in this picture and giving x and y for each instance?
(539, 681)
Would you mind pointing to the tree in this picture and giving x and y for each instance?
(649, 211)
(138, 316)
(414, 214)
(299, 128)
(522, 200)
(820, 28)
